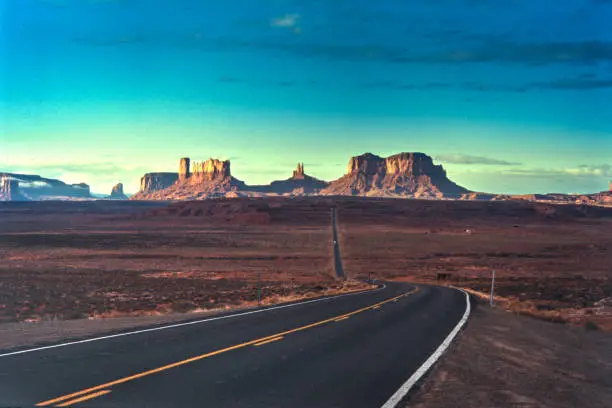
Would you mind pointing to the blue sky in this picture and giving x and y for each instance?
(510, 96)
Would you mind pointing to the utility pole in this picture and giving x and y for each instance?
(258, 288)
(492, 287)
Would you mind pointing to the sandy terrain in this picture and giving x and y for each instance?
(552, 262)
(62, 263)
(505, 361)
(109, 259)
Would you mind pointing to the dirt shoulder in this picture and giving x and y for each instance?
(504, 360)
(49, 331)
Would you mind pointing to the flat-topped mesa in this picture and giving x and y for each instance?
(151, 182)
(367, 163)
(404, 174)
(298, 173)
(211, 169)
(415, 164)
(184, 169)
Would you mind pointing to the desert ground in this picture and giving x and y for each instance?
(70, 269)
(109, 259)
(69, 260)
(505, 361)
(551, 261)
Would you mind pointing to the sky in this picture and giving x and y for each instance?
(511, 96)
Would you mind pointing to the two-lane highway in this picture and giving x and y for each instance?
(349, 351)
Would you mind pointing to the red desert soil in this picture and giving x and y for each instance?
(502, 360)
(107, 259)
(101, 259)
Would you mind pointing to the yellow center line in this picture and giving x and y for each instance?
(341, 319)
(85, 398)
(214, 353)
(269, 341)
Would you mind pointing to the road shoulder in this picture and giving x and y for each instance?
(504, 360)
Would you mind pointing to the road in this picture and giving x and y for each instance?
(350, 351)
(336, 244)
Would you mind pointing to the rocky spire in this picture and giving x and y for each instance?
(184, 172)
(298, 173)
(117, 192)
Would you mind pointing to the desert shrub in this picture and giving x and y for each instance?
(591, 326)
(182, 306)
(73, 314)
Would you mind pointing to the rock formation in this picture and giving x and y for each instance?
(400, 175)
(208, 179)
(117, 192)
(9, 190)
(299, 184)
(184, 170)
(39, 188)
(151, 182)
(209, 170)
(298, 173)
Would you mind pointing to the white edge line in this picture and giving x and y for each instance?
(172, 326)
(405, 388)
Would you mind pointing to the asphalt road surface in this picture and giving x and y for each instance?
(351, 351)
(337, 258)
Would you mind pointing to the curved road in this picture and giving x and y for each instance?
(350, 351)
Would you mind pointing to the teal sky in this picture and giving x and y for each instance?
(511, 96)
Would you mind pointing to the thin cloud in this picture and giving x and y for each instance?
(468, 159)
(574, 84)
(581, 171)
(489, 51)
(604, 170)
(288, 21)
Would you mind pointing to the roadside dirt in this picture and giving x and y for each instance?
(50, 331)
(503, 360)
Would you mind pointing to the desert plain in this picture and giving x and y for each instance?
(102, 259)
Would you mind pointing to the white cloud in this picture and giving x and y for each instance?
(468, 159)
(33, 184)
(583, 170)
(288, 21)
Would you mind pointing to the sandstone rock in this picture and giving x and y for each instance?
(298, 185)
(117, 192)
(151, 182)
(184, 169)
(298, 173)
(367, 163)
(400, 175)
(209, 179)
(211, 169)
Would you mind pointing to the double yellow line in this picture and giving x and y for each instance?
(101, 389)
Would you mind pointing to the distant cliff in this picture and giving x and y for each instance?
(400, 175)
(117, 192)
(403, 175)
(299, 184)
(34, 187)
(151, 182)
(211, 178)
(9, 190)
